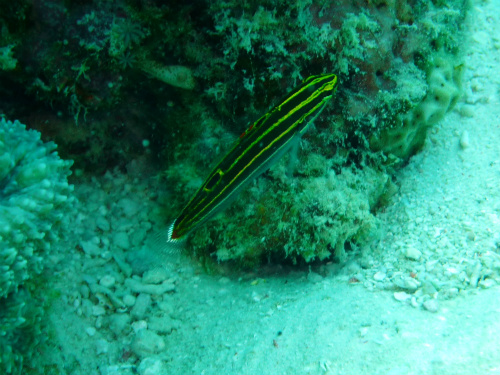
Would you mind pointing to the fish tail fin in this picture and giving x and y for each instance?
(162, 242)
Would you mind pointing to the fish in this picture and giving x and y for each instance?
(255, 151)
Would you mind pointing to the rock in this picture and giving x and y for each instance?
(102, 346)
(147, 342)
(98, 310)
(121, 240)
(118, 323)
(314, 277)
(155, 276)
(137, 287)
(129, 207)
(129, 300)
(401, 296)
(91, 247)
(431, 305)
(152, 366)
(103, 224)
(142, 305)
(487, 283)
(412, 253)
(379, 276)
(107, 281)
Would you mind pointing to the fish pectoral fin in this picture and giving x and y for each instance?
(293, 157)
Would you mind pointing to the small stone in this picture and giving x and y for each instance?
(91, 331)
(140, 324)
(103, 224)
(428, 288)
(107, 281)
(98, 310)
(129, 207)
(363, 331)
(91, 247)
(159, 289)
(118, 323)
(412, 253)
(464, 140)
(121, 240)
(406, 283)
(401, 296)
(102, 346)
(379, 276)
(85, 291)
(431, 305)
(155, 276)
(151, 366)
(142, 305)
(129, 300)
(466, 110)
(314, 277)
(147, 342)
(487, 283)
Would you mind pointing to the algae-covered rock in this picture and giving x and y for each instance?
(399, 67)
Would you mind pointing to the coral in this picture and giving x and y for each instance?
(407, 136)
(123, 35)
(34, 196)
(310, 219)
(7, 60)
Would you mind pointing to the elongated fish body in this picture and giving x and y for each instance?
(264, 142)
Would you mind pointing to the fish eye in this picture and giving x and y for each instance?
(213, 181)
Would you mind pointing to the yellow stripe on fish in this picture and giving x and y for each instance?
(262, 144)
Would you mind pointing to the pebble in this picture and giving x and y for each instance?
(142, 305)
(314, 277)
(139, 325)
(107, 281)
(159, 289)
(102, 346)
(91, 247)
(147, 342)
(466, 110)
(129, 300)
(103, 224)
(487, 283)
(379, 276)
(118, 323)
(91, 331)
(85, 291)
(155, 276)
(431, 305)
(464, 140)
(152, 366)
(412, 253)
(406, 283)
(121, 240)
(98, 310)
(129, 207)
(401, 296)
